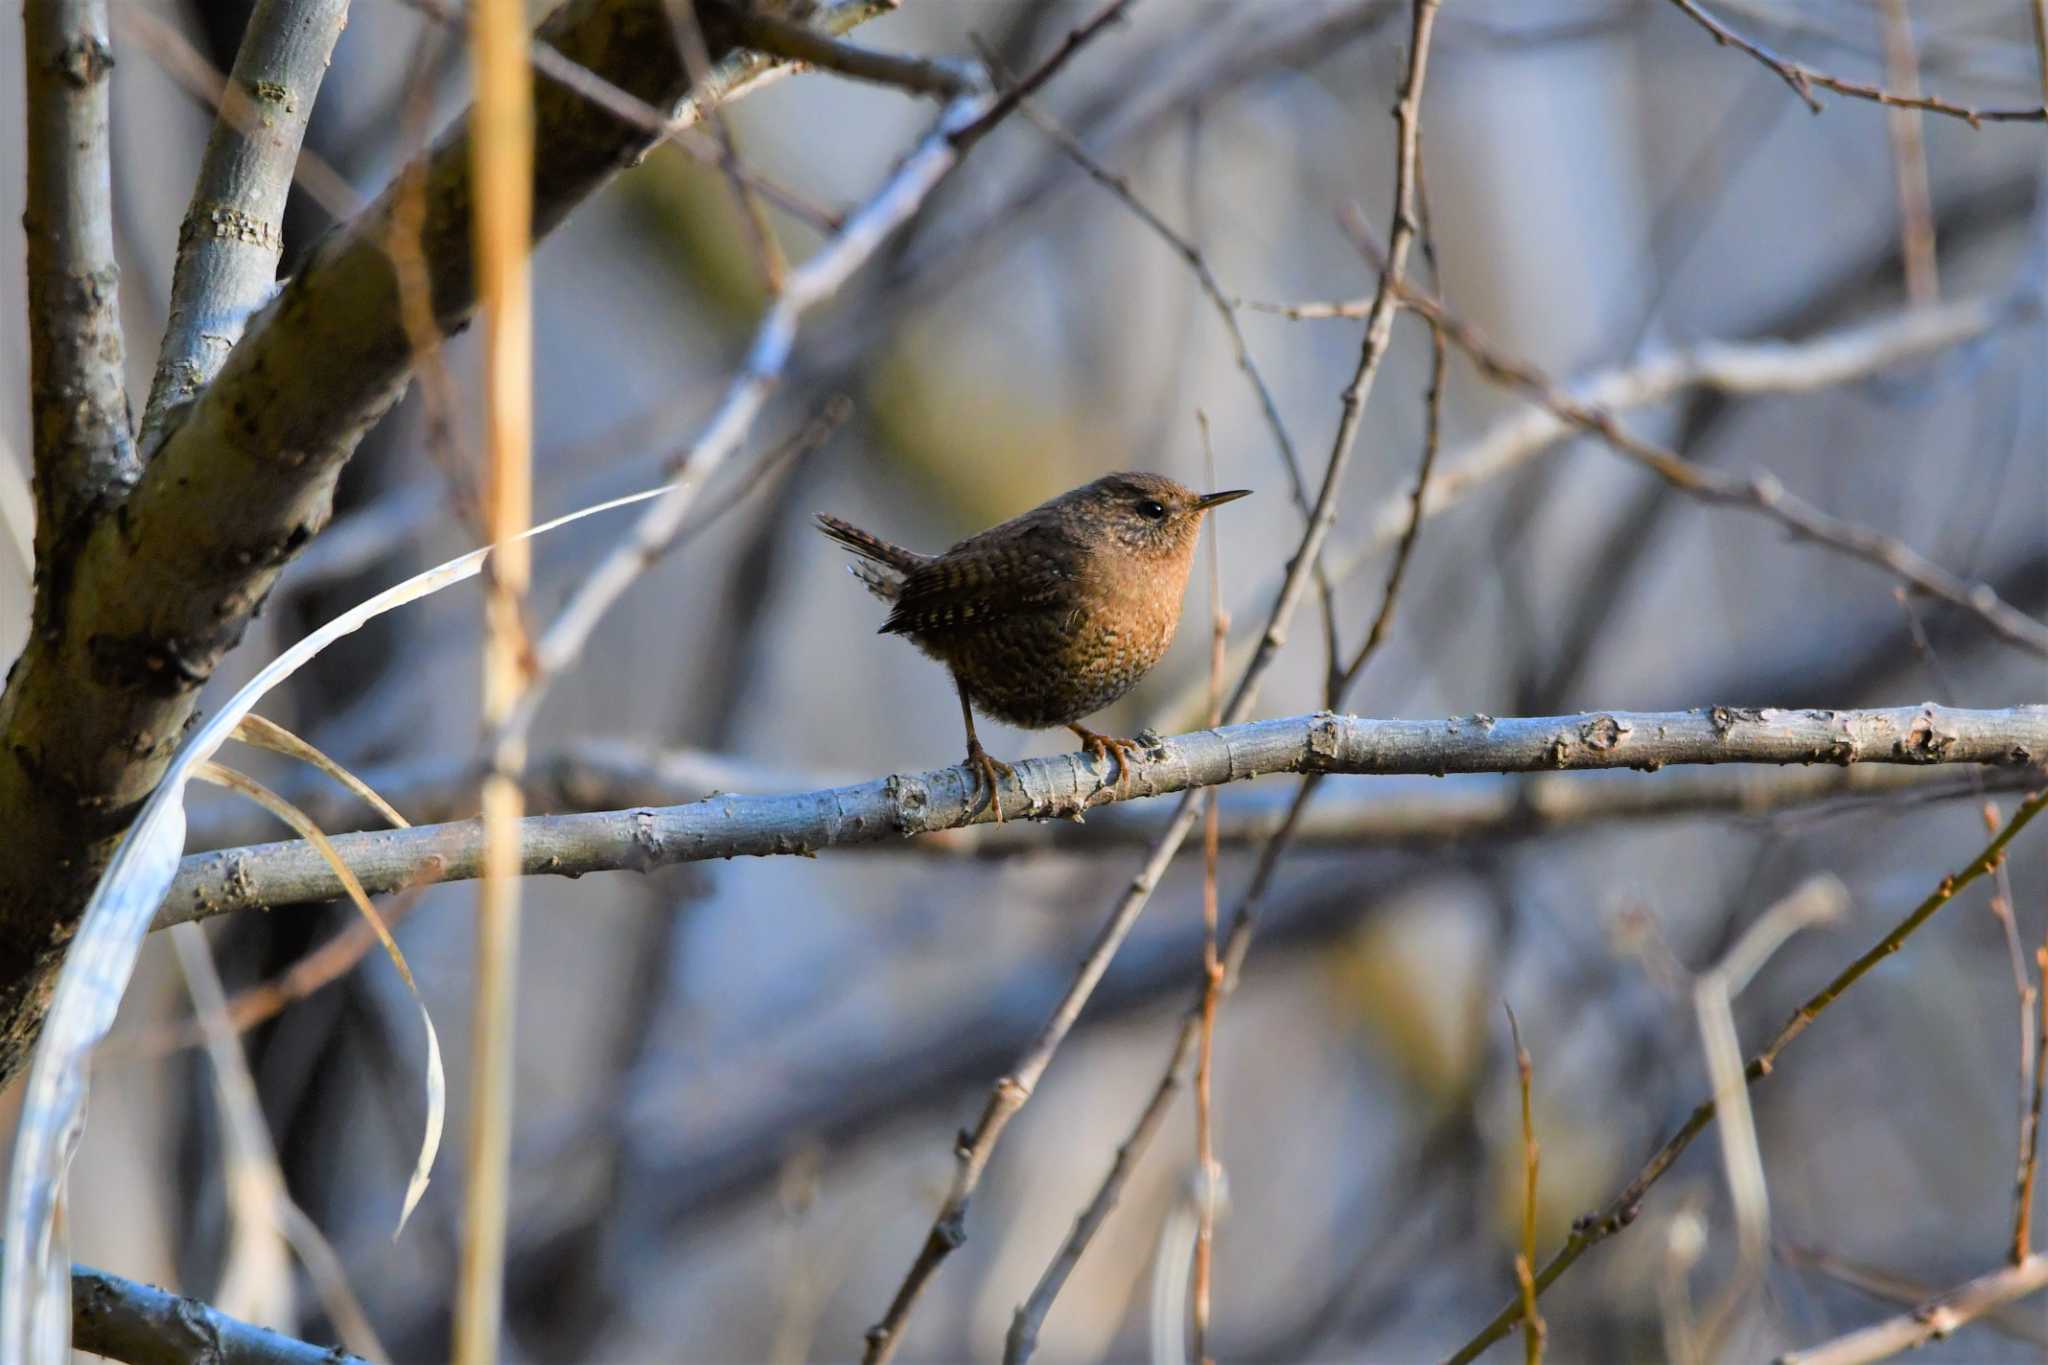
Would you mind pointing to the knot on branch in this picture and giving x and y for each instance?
(85, 61)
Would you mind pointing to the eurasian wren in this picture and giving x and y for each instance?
(1052, 615)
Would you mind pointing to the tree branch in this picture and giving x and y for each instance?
(1931, 1320)
(232, 237)
(729, 826)
(78, 408)
(1802, 79)
(122, 1319)
(99, 699)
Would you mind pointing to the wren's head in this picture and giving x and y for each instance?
(1146, 514)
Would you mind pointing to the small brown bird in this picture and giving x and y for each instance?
(1052, 615)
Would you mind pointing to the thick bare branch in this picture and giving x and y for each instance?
(232, 237)
(122, 1319)
(729, 826)
(78, 407)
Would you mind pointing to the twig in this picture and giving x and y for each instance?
(1802, 79)
(232, 236)
(1534, 1332)
(78, 410)
(1076, 39)
(1013, 1090)
(1909, 158)
(1761, 493)
(1936, 1318)
(768, 253)
(2030, 1120)
(441, 427)
(1208, 1173)
(1597, 1227)
(257, 1004)
(123, 1319)
(779, 37)
(502, 164)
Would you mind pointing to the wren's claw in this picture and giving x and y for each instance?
(985, 769)
(1108, 747)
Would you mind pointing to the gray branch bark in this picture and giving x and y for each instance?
(123, 1319)
(152, 599)
(728, 826)
(232, 237)
(83, 453)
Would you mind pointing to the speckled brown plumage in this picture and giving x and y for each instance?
(1052, 615)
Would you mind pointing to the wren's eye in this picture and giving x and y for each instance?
(1152, 510)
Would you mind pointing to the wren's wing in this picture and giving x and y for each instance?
(1010, 571)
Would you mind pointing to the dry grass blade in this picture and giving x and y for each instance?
(268, 734)
(1820, 900)
(502, 167)
(437, 1082)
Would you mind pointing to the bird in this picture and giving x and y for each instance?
(1052, 615)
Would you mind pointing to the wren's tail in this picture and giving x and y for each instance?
(883, 565)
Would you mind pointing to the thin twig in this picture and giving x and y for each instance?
(1208, 1173)
(1761, 493)
(264, 1001)
(2030, 1121)
(460, 465)
(768, 253)
(1621, 1211)
(2024, 990)
(1076, 39)
(1802, 79)
(1534, 1332)
(1909, 158)
(780, 37)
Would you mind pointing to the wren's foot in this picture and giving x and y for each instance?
(985, 770)
(1107, 747)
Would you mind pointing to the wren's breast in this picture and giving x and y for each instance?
(1043, 669)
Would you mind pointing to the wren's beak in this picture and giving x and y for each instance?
(1208, 500)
